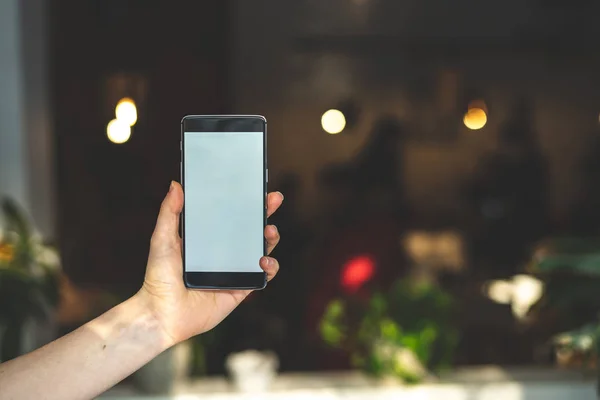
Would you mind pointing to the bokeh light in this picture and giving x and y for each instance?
(527, 291)
(333, 121)
(475, 118)
(118, 131)
(521, 292)
(126, 111)
(500, 291)
(356, 272)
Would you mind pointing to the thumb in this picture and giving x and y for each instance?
(166, 232)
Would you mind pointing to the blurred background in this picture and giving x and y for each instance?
(439, 162)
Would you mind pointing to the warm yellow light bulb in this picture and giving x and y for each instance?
(126, 111)
(333, 121)
(475, 118)
(118, 131)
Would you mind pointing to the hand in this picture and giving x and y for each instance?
(181, 312)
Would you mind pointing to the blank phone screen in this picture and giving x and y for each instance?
(224, 201)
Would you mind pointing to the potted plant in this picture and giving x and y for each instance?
(29, 280)
(405, 333)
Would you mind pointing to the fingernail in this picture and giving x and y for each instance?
(171, 186)
(275, 227)
(281, 195)
(265, 260)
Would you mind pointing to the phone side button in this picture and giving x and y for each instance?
(267, 175)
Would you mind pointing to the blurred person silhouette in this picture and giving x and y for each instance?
(370, 213)
(104, 351)
(373, 178)
(507, 213)
(508, 197)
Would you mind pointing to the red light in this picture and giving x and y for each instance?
(356, 272)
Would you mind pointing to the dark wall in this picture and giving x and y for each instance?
(109, 195)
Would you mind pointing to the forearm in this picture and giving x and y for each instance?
(88, 361)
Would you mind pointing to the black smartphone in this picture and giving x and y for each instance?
(224, 177)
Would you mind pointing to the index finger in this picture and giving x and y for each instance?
(274, 200)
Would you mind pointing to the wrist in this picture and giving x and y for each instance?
(151, 321)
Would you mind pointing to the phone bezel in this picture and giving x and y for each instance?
(225, 124)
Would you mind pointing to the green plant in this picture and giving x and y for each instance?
(582, 342)
(405, 332)
(29, 278)
(570, 268)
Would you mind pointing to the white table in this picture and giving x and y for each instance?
(481, 383)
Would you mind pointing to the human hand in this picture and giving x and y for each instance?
(181, 312)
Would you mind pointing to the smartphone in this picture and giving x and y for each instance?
(224, 177)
